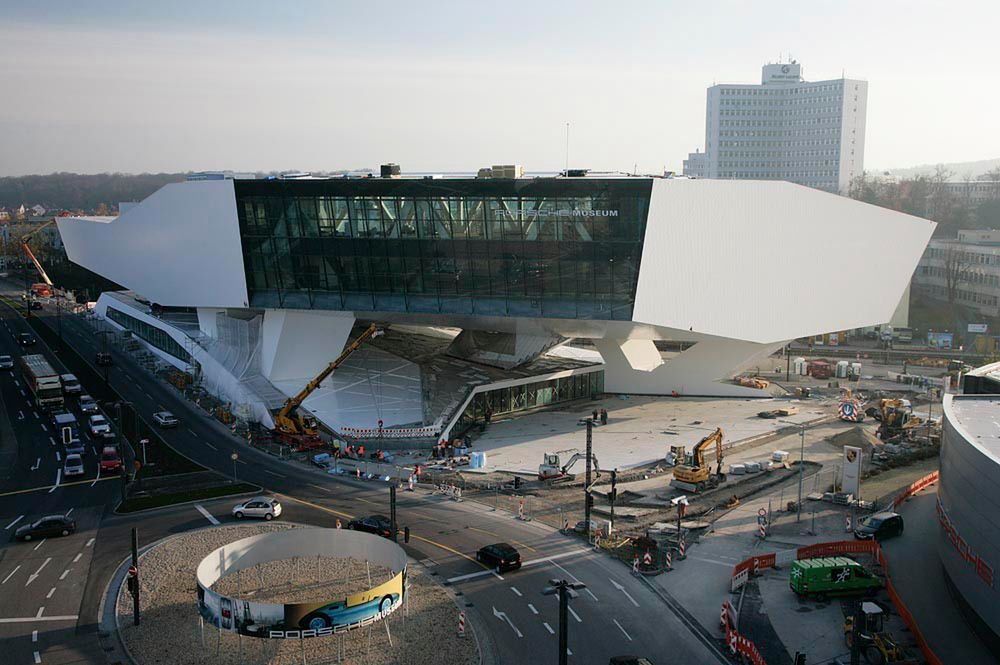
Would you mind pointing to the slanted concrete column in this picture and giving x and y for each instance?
(297, 344)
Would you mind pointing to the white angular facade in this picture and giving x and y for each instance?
(736, 268)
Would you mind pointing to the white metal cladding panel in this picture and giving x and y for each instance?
(180, 246)
(769, 261)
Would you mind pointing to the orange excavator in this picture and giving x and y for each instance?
(289, 420)
(694, 475)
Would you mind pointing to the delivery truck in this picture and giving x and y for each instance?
(43, 381)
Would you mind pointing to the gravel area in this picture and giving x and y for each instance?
(171, 633)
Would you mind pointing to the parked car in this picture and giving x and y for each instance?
(831, 576)
(380, 525)
(71, 385)
(6, 362)
(99, 426)
(110, 461)
(73, 466)
(261, 506)
(500, 556)
(52, 525)
(25, 339)
(880, 526)
(103, 359)
(36, 305)
(165, 419)
(88, 404)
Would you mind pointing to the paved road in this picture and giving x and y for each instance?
(618, 614)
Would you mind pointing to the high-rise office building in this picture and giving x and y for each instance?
(786, 128)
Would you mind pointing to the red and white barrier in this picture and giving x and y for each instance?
(390, 433)
(461, 624)
(647, 559)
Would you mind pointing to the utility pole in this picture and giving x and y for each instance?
(392, 510)
(566, 591)
(134, 572)
(234, 457)
(612, 496)
(802, 448)
(586, 486)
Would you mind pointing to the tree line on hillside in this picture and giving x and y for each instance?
(76, 191)
(930, 197)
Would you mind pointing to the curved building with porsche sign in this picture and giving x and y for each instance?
(484, 283)
(968, 507)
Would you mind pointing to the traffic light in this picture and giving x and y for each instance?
(613, 494)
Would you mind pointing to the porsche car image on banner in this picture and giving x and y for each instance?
(294, 620)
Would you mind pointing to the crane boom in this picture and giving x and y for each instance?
(286, 421)
(31, 255)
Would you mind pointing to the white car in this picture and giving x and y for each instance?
(6, 362)
(99, 426)
(165, 419)
(71, 385)
(88, 404)
(73, 466)
(261, 506)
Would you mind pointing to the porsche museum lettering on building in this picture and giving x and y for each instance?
(983, 569)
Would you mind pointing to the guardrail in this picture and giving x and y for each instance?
(742, 571)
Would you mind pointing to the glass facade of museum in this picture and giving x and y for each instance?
(150, 334)
(530, 396)
(534, 247)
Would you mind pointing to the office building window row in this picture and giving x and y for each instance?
(150, 334)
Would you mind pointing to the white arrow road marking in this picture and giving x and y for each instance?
(532, 608)
(622, 589)
(38, 463)
(548, 628)
(503, 617)
(575, 615)
(209, 516)
(514, 589)
(622, 629)
(34, 575)
(58, 479)
(11, 575)
(20, 517)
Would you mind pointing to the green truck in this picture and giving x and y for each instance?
(832, 576)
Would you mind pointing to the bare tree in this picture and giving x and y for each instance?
(956, 270)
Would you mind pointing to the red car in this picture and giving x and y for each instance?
(110, 461)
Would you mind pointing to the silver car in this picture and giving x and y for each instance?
(261, 506)
(73, 465)
(88, 404)
(6, 362)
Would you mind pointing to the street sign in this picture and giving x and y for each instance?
(234, 457)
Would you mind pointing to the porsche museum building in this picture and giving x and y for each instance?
(498, 294)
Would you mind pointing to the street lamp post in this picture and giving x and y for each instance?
(234, 457)
(802, 449)
(566, 591)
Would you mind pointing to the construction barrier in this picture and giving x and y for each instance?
(738, 643)
(741, 574)
(915, 487)
(389, 433)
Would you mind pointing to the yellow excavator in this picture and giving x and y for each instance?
(289, 420)
(693, 475)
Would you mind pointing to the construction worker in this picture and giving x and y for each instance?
(350, 450)
(604, 416)
(338, 523)
(361, 451)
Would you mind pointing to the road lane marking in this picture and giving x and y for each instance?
(44, 428)
(40, 611)
(717, 563)
(77, 557)
(20, 415)
(34, 636)
(49, 487)
(274, 474)
(35, 413)
(576, 579)
(58, 456)
(68, 512)
(90, 542)
(51, 591)
(209, 516)
(532, 608)
(34, 575)
(622, 589)
(514, 589)
(320, 488)
(38, 658)
(211, 446)
(64, 574)
(192, 432)
(58, 479)
(40, 543)
(19, 518)
(569, 652)
(52, 441)
(503, 617)
(11, 574)
(622, 629)
(548, 628)
(98, 476)
(575, 615)
(23, 394)
(525, 564)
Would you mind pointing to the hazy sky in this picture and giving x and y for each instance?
(92, 86)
